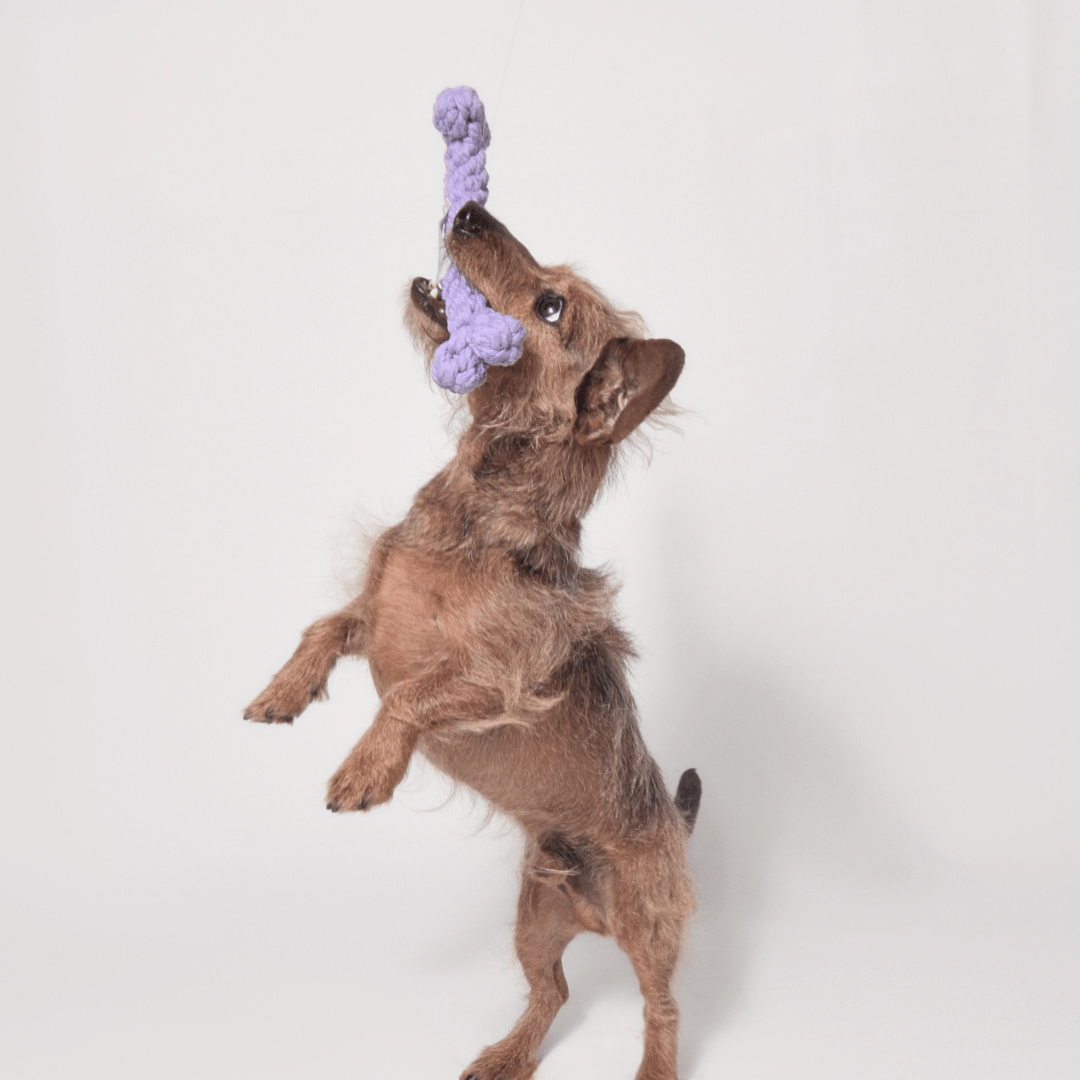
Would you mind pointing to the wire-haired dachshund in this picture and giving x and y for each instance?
(497, 655)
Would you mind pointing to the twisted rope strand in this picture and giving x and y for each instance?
(479, 335)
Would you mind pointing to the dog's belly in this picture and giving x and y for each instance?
(558, 743)
(531, 773)
(565, 773)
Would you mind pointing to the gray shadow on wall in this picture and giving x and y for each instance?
(778, 787)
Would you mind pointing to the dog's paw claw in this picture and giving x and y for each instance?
(337, 804)
(269, 715)
(352, 789)
(283, 701)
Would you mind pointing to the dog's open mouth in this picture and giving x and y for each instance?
(427, 299)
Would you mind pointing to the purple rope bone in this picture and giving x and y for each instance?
(479, 335)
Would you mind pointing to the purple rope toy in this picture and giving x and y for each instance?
(479, 335)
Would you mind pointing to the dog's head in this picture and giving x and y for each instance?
(585, 373)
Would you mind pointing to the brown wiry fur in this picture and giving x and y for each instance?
(497, 655)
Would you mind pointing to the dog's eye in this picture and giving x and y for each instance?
(550, 307)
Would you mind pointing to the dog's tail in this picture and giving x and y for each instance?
(688, 797)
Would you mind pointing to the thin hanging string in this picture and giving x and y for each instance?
(509, 55)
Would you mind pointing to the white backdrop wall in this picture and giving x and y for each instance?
(853, 574)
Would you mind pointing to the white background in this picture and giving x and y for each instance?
(853, 575)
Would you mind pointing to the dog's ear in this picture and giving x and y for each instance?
(629, 380)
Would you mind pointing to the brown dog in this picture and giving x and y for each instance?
(497, 655)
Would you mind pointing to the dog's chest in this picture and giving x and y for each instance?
(436, 610)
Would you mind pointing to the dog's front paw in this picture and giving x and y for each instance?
(348, 791)
(370, 773)
(284, 700)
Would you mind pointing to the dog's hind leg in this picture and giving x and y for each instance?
(546, 924)
(303, 679)
(651, 907)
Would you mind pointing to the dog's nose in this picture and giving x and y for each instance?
(472, 220)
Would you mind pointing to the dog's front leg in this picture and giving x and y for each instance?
(376, 765)
(303, 679)
(410, 707)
